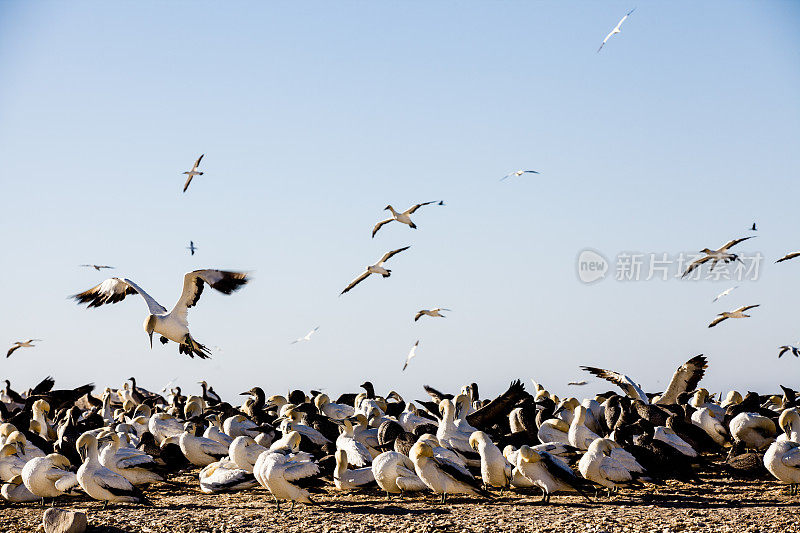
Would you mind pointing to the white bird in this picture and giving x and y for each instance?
(554, 430)
(715, 256)
(668, 436)
(518, 173)
(131, 463)
(411, 354)
(21, 344)
(440, 475)
(276, 472)
(377, 268)
(617, 29)
(790, 255)
(753, 431)
(307, 336)
(394, 473)
(14, 490)
(346, 479)
(579, 435)
(225, 476)
(706, 419)
(200, 451)
(403, 217)
(244, 451)
(725, 293)
(736, 313)
(49, 476)
(172, 325)
(97, 267)
(631, 388)
(598, 465)
(782, 459)
(357, 453)
(430, 312)
(11, 464)
(192, 173)
(334, 411)
(547, 472)
(98, 481)
(496, 471)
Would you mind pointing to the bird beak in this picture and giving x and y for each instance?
(246, 393)
(151, 339)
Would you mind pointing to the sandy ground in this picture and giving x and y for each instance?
(718, 504)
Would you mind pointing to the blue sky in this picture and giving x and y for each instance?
(677, 136)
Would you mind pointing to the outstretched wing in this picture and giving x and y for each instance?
(300, 470)
(224, 281)
(685, 379)
(379, 225)
(734, 242)
(418, 315)
(197, 163)
(621, 380)
(12, 350)
(695, 264)
(788, 256)
(355, 282)
(389, 255)
(717, 321)
(745, 308)
(188, 181)
(115, 290)
(411, 210)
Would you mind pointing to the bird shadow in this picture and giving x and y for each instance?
(380, 508)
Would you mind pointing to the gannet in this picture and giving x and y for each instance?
(579, 435)
(307, 336)
(192, 248)
(576, 383)
(410, 419)
(448, 434)
(790, 255)
(736, 313)
(599, 466)
(357, 452)
(172, 325)
(21, 344)
(98, 481)
(782, 459)
(518, 173)
(244, 451)
(440, 475)
(685, 379)
(200, 451)
(97, 267)
(706, 419)
(309, 432)
(346, 479)
(789, 423)
(275, 472)
(225, 476)
(14, 490)
(401, 217)
(725, 293)
(630, 387)
(668, 436)
(49, 476)
(496, 471)
(11, 464)
(334, 411)
(430, 312)
(547, 472)
(132, 464)
(617, 29)
(554, 430)
(377, 268)
(721, 254)
(411, 354)
(192, 173)
(794, 351)
(394, 473)
(753, 227)
(753, 431)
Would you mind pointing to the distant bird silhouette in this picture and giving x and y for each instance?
(430, 312)
(617, 29)
(307, 336)
(754, 227)
(724, 293)
(412, 354)
(794, 351)
(97, 267)
(192, 173)
(191, 247)
(518, 173)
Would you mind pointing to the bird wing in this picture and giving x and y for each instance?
(685, 379)
(115, 290)
(188, 181)
(436, 395)
(411, 210)
(413, 352)
(300, 470)
(197, 163)
(734, 242)
(717, 321)
(694, 264)
(379, 225)
(792, 457)
(389, 255)
(213, 448)
(418, 315)
(725, 293)
(499, 407)
(788, 256)
(356, 281)
(783, 349)
(14, 348)
(451, 469)
(614, 470)
(224, 281)
(746, 307)
(560, 470)
(624, 382)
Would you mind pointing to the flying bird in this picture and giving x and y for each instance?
(97, 267)
(790, 255)
(754, 227)
(518, 173)
(430, 312)
(617, 29)
(192, 173)
(21, 344)
(307, 336)
(721, 254)
(725, 293)
(794, 351)
(411, 355)
(377, 268)
(171, 325)
(577, 383)
(736, 313)
(401, 217)
(191, 247)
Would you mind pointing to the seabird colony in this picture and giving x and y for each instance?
(69, 444)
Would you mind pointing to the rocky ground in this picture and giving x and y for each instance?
(718, 504)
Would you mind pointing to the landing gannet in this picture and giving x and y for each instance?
(736, 313)
(430, 312)
(783, 349)
(412, 354)
(377, 268)
(720, 254)
(724, 293)
(172, 325)
(98, 481)
(518, 173)
(21, 344)
(402, 217)
(617, 29)
(788, 256)
(307, 336)
(192, 173)
(97, 267)
(441, 476)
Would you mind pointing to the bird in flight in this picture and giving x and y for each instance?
(377, 268)
(754, 227)
(21, 344)
(721, 254)
(171, 325)
(97, 267)
(736, 313)
(518, 173)
(430, 312)
(577, 383)
(617, 29)
(790, 255)
(725, 293)
(192, 173)
(794, 351)
(411, 355)
(307, 336)
(402, 217)
(192, 248)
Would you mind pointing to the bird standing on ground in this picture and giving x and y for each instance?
(377, 268)
(402, 217)
(617, 29)
(22, 344)
(172, 325)
(192, 173)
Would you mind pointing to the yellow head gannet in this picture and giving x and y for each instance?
(579, 435)
(346, 479)
(200, 451)
(98, 481)
(440, 475)
(49, 476)
(547, 472)
(496, 471)
(225, 476)
(172, 325)
(598, 465)
(403, 217)
(394, 473)
(430, 312)
(736, 313)
(377, 268)
(21, 344)
(753, 431)
(782, 459)
(192, 173)
(14, 490)
(134, 465)
(720, 254)
(275, 472)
